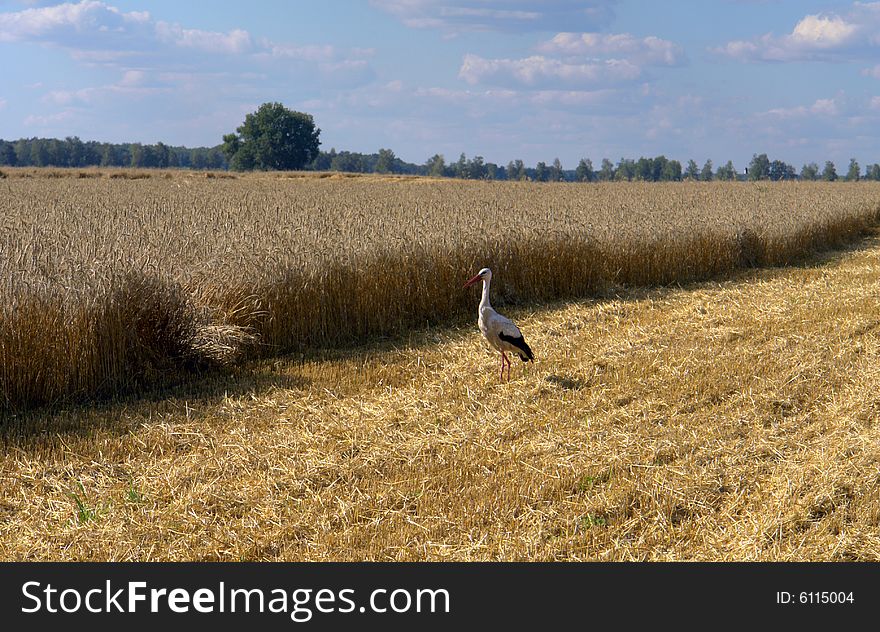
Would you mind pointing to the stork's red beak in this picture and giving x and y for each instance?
(472, 281)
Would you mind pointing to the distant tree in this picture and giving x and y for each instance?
(273, 137)
(541, 172)
(58, 154)
(22, 152)
(436, 166)
(163, 156)
(829, 173)
(658, 168)
(76, 152)
(519, 170)
(606, 171)
(692, 172)
(671, 171)
(584, 171)
(459, 168)
(644, 169)
(556, 172)
(476, 168)
(7, 154)
(323, 160)
(852, 174)
(511, 168)
(726, 172)
(706, 173)
(759, 167)
(810, 171)
(385, 162)
(142, 156)
(780, 170)
(626, 170)
(491, 170)
(117, 155)
(872, 172)
(40, 156)
(348, 162)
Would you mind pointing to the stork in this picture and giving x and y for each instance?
(499, 331)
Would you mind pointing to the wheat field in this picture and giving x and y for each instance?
(693, 398)
(117, 281)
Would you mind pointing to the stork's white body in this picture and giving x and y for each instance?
(500, 332)
(492, 325)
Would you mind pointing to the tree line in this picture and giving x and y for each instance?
(277, 138)
(73, 152)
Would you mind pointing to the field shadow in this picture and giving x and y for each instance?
(27, 429)
(809, 261)
(78, 418)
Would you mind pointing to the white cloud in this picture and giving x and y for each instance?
(823, 32)
(320, 53)
(821, 107)
(98, 33)
(234, 42)
(540, 72)
(69, 22)
(575, 63)
(132, 78)
(872, 72)
(875, 103)
(92, 28)
(177, 58)
(820, 37)
(572, 98)
(131, 84)
(2, 103)
(455, 16)
(490, 99)
(827, 107)
(647, 50)
(34, 120)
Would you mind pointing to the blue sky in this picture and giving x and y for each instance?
(503, 79)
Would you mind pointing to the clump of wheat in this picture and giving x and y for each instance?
(111, 283)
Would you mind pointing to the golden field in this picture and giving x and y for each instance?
(117, 281)
(733, 418)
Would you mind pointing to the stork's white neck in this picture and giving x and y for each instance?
(484, 302)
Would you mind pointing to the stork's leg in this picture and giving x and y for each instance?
(502, 366)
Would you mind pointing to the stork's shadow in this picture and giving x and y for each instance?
(567, 382)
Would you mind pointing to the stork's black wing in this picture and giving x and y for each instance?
(525, 353)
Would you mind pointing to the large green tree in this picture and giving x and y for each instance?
(273, 137)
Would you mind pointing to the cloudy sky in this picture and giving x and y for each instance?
(504, 79)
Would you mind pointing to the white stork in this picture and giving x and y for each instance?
(499, 331)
